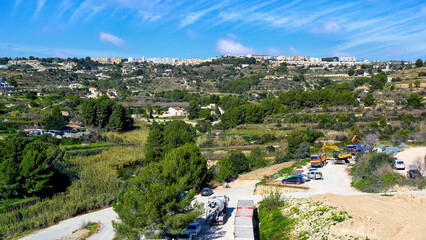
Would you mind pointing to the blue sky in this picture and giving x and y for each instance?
(370, 29)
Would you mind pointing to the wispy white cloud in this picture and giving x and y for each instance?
(40, 5)
(94, 11)
(108, 37)
(328, 27)
(147, 16)
(231, 47)
(192, 17)
(293, 50)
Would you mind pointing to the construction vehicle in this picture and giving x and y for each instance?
(318, 160)
(217, 210)
(354, 138)
(339, 156)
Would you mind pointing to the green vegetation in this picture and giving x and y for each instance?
(158, 198)
(95, 182)
(373, 173)
(272, 223)
(104, 113)
(297, 219)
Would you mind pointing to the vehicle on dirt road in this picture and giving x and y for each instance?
(217, 210)
(305, 177)
(398, 165)
(293, 180)
(206, 192)
(315, 174)
(194, 229)
(318, 160)
(413, 173)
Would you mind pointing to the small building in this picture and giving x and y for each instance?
(112, 92)
(76, 86)
(6, 87)
(210, 106)
(175, 112)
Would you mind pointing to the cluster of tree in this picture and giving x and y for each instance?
(296, 137)
(230, 101)
(415, 100)
(241, 85)
(195, 104)
(55, 120)
(104, 113)
(84, 63)
(229, 167)
(299, 78)
(162, 138)
(419, 63)
(248, 113)
(159, 199)
(27, 168)
(281, 69)
(326, 96)
(330, 59)
(4, 60)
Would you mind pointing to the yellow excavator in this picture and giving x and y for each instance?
(338, 155)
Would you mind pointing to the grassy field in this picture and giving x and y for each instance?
(99, 179)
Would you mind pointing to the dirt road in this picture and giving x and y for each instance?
(410, 156)
(66, 227)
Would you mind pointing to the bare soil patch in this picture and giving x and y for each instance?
(380, 217)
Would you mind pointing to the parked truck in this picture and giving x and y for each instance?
(318, 160)
(244, 222)
(217, 210)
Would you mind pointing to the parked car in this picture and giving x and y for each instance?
(305, 177)
(413, 173)
(399, 164)
(206, 192)
(293, 180)
(315, 174)
(184, 236)
(194, 229)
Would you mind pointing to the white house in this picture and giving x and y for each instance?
(175, 112)
(76, 85)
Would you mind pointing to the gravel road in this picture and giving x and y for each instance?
(66, 227)
(410, 156)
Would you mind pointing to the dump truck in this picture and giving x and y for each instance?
(217, 210)
(318, 160)
(244, 222)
